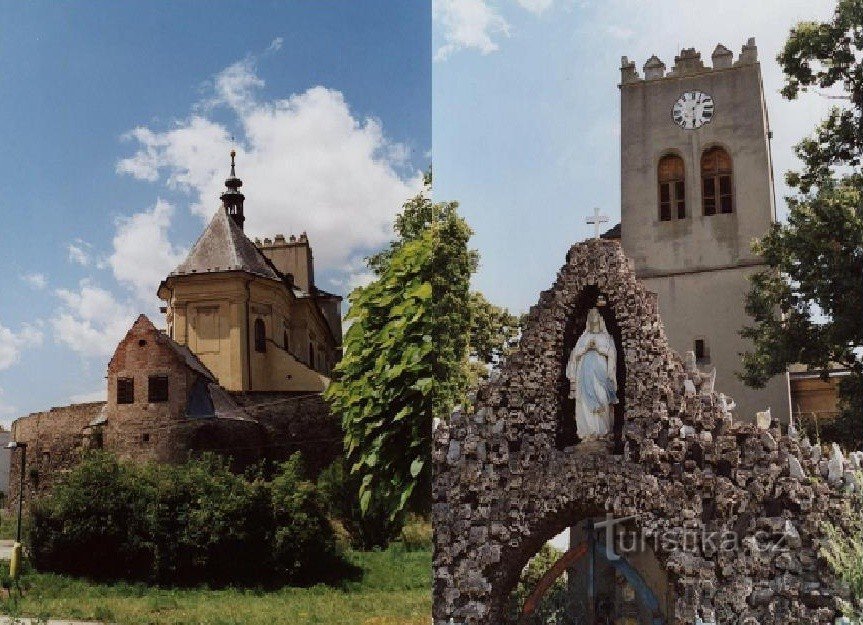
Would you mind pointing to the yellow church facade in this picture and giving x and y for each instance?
(250, 310)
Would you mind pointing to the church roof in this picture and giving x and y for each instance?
(224, 247)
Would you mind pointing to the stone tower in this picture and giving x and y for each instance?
(696, 189)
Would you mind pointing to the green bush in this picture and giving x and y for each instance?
(185, 524)
(95, 522)
(209, 524)
(340, 490)
(304, 545)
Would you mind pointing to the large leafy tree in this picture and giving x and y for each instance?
(493, 330)
(404, 354)
(808, 307)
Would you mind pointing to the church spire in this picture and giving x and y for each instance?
(232, 199)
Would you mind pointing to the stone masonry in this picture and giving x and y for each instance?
(197, 416)
(510, 474)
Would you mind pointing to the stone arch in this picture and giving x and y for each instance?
(504, 482)
(569, 510)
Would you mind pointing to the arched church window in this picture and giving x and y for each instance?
(260, 336)
(672, 188)
(716, 178)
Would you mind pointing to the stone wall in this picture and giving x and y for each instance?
(55, 440)
(143, 430)
(296, 423)
(508, 477)
(264, 426)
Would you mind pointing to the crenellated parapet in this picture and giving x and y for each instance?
(688, 63)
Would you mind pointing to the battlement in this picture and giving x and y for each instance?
(688, 63)
(281, 241)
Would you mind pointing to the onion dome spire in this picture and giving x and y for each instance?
(232, 199)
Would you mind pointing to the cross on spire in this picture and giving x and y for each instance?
(597, 220)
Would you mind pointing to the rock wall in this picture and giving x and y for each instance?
(510, 473)
(55, 439)
(270, 428)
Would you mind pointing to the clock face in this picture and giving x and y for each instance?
(692, 110)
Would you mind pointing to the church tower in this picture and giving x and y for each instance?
(696, 189)
(232, 199)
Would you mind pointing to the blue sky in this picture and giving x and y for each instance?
(526, 113)
(117, 120)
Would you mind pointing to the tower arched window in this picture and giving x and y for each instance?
(716, 181)
(672, 188)
(311, 356)
(260, 336)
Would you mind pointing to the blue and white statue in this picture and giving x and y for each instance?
(592, 374)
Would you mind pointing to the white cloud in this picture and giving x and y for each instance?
(235, 85)
(619, 32)
(8, 412)
(470, 25)
(142, 254)
(79, 252)
(355, 273)
(276, 44)
(306, 162)
(86, 398)
(535, 6)
(90, 320)
(35, 280)
(12, 343)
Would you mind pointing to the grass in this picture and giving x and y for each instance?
(9, 524)
(395, 589)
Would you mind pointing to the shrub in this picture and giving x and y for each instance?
(209, 524)
(304, 544)
(94, 522)
(186, 524)
(340, 490)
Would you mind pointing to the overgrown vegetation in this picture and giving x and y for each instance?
(844, 552)
(556, 599)
(373, 530)
(187, 524)
(807, 308)
(418, 339)
(393, 588)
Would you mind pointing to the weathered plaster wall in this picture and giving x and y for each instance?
(648, 132)
(710, 305)
(208, 313)
(699, 266)
(505, 482)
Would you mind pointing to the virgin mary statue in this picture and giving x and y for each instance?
(592, 374)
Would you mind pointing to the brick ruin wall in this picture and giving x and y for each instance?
(267, 428)
(55, 439)
(508, 476)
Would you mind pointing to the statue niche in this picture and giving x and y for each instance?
(592, 374)
(591, 302)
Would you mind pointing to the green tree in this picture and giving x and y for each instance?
(404, 354)
(493, 329)
(807, 308)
